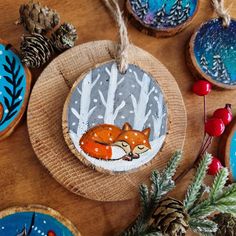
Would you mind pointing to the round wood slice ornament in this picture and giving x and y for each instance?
(15, 80)
(212, 49)
(35, 220)
(227, 149)
(115, 122)
(161, 17)
(213, 53)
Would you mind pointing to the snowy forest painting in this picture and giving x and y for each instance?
(32, 224)
(117, 122)
(164, 13)
(215, 51)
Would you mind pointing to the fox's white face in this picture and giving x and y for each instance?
(126, 147)
(133, 142)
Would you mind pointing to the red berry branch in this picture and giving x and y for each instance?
(214, 126)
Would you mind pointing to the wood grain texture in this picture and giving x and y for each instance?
(23, 179)
(45, 114)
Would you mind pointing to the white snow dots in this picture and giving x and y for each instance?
(144, 141)
(1, 52)
(100, 117)
(126, 137)
(110, 128)
(95, 100)
(136, 134)
(96, 149)
(110, 139)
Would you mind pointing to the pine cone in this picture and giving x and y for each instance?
(64, 37)
(226, 225)
(36, 50)
(170, 218)
(37, 18)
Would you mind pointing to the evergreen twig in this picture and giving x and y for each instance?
(203, 226)
(194, 188)
(161, 184)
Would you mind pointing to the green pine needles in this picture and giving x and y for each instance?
(198, 205)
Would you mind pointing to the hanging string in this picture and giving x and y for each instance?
(123, 45)
(222, 12)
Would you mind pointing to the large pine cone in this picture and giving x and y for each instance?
(170, 218)
(64, 37)
(226, 225)
(37, 18)
(36, 50)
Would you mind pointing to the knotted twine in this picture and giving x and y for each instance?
(222, 12)
(123, 44)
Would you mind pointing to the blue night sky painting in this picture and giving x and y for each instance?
(12, 86)
(164, 13)
(14, 224)
(215, 51)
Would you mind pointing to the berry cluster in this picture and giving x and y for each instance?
(214, 126)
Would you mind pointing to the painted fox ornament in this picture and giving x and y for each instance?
(99, 141)
(115, 122)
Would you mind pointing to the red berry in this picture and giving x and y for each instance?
(214, 127)
(225, 114)
(215, 166)
(51, 233)
(202, 87)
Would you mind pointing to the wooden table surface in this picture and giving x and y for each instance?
(22, 178)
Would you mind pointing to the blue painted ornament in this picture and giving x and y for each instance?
(213, 53)
(35, 220)
(161, 17)
(15, 82)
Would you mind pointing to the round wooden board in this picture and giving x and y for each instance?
(10, 128)
(219, 41)
(42, 210)
(45, 131)
(149, 30)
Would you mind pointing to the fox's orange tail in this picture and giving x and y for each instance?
(95, 149)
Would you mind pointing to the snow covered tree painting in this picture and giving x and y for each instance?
(164, 13)
(29, 223)
(215, 51)
(117, 122)
(217, 70)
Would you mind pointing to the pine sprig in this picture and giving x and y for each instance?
(194, 188)
(203, 227)
(161, 183)
(224, 202)
(219, 183)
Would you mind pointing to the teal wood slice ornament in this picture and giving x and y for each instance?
(115, 122)
(35, 220)
(15, 80)
(227, 149)
(161, 17)
(213, 53)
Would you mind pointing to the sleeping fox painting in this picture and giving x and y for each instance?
(99, 140)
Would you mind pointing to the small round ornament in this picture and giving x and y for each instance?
(15, 80)
(212, 52)
(161, 17)
(115, 122)
(35, 220)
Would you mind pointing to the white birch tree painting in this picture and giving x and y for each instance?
(105, 96)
